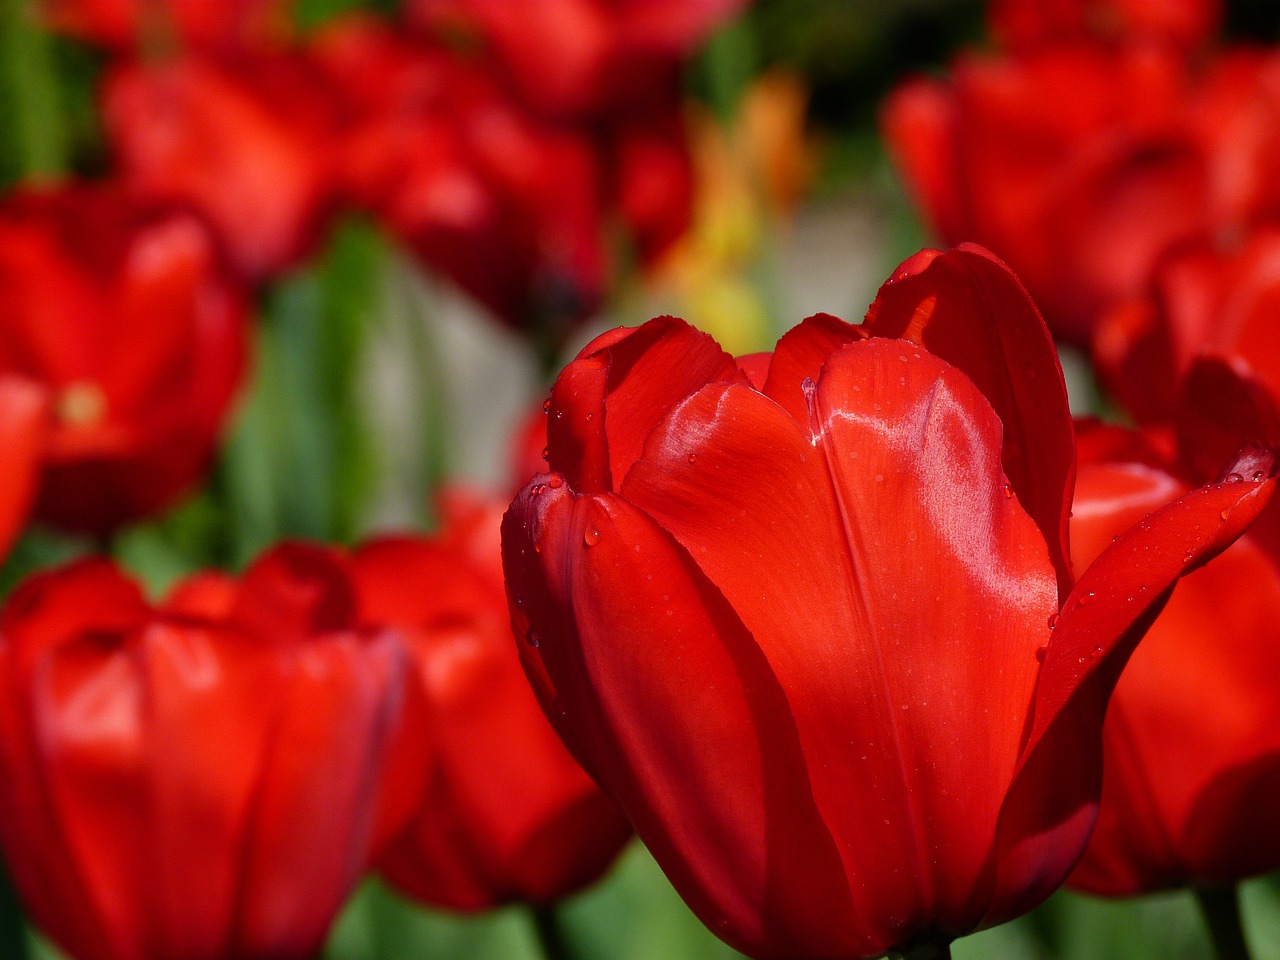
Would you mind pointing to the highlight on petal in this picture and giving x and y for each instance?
(968, 308)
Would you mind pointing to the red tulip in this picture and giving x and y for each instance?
(574, 58)
(23, 422)
(1203, 299)
(183, 783)
(129, 323)
(507, 813)
(504, 204)
(1192, 761)
(1025, 24)
(129, 24)
(1084, 199)
(243, 143)
(811, 621)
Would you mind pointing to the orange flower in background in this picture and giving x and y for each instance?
(244, 143)
(507, 814)
(130, 324)
(1025, 24)
(575, 58)
(810, 620)
(1191, 775)
(203, 779)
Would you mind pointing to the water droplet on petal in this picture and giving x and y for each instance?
(1008, 490)
(589, 417)
(534, 640)
(1053, 620)
(590, 537)
(1233, 478)
(546, 453)
(546, 405)
(693, 458)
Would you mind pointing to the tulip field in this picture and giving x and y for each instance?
(639, 480)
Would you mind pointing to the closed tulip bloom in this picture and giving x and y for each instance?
(507, 813)
(1191, 776)
(1204, 299)
(245, 143)
(203, 779)
(809, 617)
(131, 326)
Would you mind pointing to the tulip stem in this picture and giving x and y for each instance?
(1221, 909)
(555, 946)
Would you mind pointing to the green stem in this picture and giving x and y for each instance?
(1221, 909)
(550, 931)
(32, 80)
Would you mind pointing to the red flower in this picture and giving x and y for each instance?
(1023, 24)
(129, 24)
(505, 205)
(1203, 299)
(583, 57)
(202, 779)
(245, 143)
(23, 422)
(1191, 775)
(1083, 199)
(507, 813)
(811, 621)
(130, 324)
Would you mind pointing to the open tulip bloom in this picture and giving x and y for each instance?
(810, 617)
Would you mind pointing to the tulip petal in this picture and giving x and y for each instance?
(888, 575)
(23, 411)
(666, 699)
(1112, 607)
(968, 308)
(799, 356)
(606, 401)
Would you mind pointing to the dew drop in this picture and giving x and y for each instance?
(693, 458)
(1008, 490)
(1041, 651)
(534, 640)
(546, 453)
(1097, 652)
(1053, 620)
(546, 405)
(1233, 478)
(590, 537)
(589, 417)
(1086, 598)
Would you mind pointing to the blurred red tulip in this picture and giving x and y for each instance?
(1204, 300)
(244, 143)
(204, 24)
(507, 813)
(1191, 775)
(505, 205)
(132, 327)
(811, 621)
(1083, 199)
(1024, 24)
(574, 58)
(177, 784)
(23, 427)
